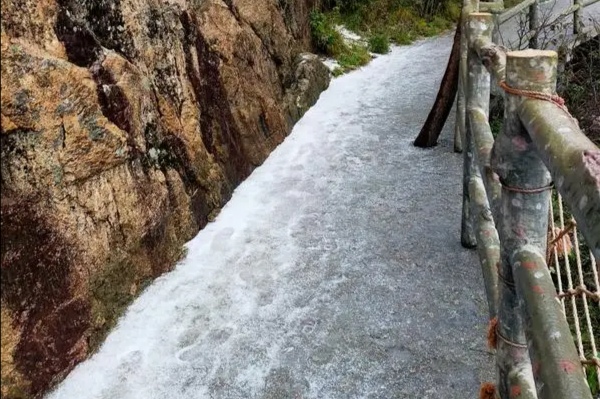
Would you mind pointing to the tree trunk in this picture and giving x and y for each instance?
(434, 124)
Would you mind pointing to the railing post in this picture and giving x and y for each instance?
(460, 94)
(496, 37)
(577, 17)
(469, 6)
(524, 214)
(480, 28)
(467, 235)
(523, 228)
(534, 24)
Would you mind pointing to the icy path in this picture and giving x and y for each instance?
(335, 271)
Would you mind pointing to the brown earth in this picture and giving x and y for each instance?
(126, 124)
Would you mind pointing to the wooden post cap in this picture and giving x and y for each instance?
(532, 70)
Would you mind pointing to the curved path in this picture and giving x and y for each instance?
(335, 271)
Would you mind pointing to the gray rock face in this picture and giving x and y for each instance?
(126, 125)
(311, 77)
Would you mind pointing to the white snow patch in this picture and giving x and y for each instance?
(330, 63)
(348, 35)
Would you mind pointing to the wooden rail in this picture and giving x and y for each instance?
(506, 197)
(501, 16)
(532, 6)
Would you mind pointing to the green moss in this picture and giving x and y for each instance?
(57, 173)
(117, 285)
(11, 388)
(95, 132)
(111, 292)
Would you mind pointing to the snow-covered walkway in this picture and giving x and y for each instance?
(335, 271)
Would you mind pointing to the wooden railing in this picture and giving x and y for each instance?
(534, 21)
(506, 190)
(535, 26)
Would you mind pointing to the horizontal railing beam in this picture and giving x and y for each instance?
(493, 57)
(512, 12)
(567, 11)
(572, 159)
(559, 366)
(586, 3)
(575, 41)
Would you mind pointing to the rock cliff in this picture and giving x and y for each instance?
(126, 124)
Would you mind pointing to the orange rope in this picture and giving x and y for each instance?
(537, 95)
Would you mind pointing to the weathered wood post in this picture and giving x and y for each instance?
(577, 16)
(496, 37)
(495, 8)
(469, 6)
(526, 185)
(523, 230)
(467, 235)
(480, 27)
(534, 24)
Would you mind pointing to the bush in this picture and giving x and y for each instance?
(346, 5)
(379, 44)
(354, 57)
(380, 21)
(325, 38)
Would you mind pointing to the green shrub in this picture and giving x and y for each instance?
(452, 11)
(400, 36)
(355, 56)
(325, 38)
(379, 44)
(380, 21)
(347, 5)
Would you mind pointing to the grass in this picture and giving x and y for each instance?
(380, 22)
(330, 42)
(379, 44)
(355, 57)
